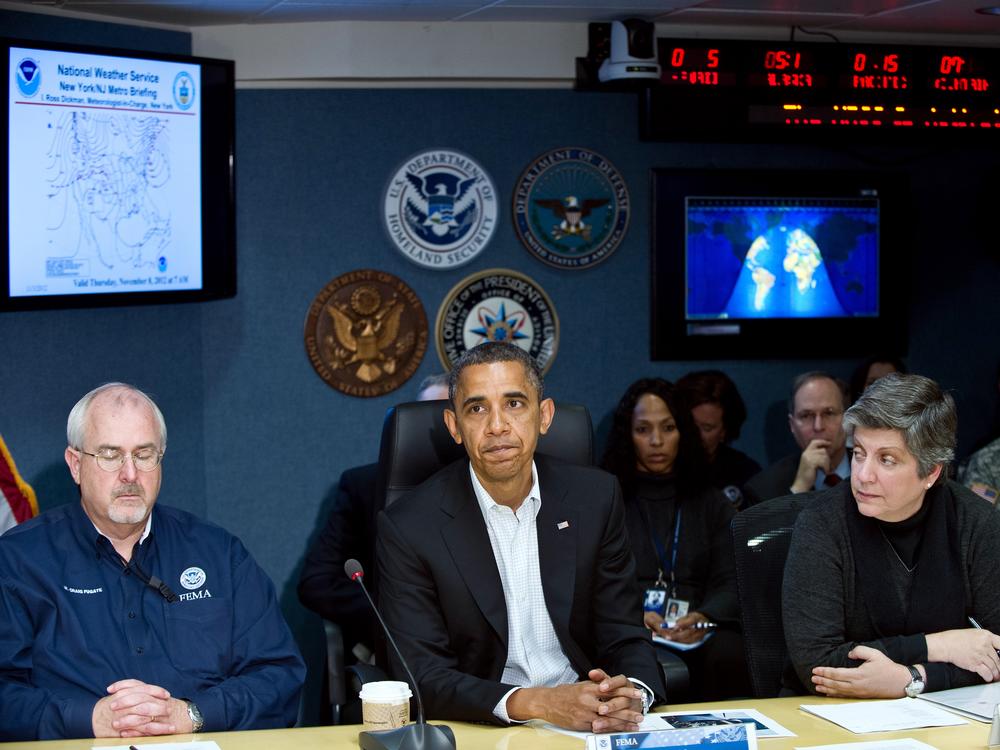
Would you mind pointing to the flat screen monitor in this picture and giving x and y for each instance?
(776, 264)
(119, 173)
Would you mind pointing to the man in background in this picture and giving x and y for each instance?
(350, 533)
(126, 618)
(815, 416)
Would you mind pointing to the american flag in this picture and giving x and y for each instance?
(17, 499)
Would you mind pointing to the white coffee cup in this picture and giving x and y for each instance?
(385, 705)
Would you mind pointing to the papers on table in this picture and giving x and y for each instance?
(884, 716)
(678, 646)
(196, 745)
(765, 726)
(976, 701)
(732, 736)
(903, 744)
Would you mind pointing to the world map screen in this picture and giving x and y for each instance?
(779, 258)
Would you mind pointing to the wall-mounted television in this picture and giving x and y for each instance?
(777, 264)
(119, 170)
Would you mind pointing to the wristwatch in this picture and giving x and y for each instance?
(198, 721)
(916, 686)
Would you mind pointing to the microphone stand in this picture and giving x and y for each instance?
(418, 736)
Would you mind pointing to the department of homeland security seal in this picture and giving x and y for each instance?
(366, 333)
(571, 208)
(497, 305)
(440, 209)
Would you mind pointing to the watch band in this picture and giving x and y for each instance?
(916, 686)
(194, 713)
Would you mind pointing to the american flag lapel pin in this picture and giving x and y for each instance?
(562, 525)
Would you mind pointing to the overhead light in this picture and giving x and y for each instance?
(989, 10)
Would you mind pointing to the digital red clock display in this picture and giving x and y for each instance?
(776, 86)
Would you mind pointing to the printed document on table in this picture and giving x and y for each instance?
(766, 726)
(902, 744)
(884, 716)
(976, 701)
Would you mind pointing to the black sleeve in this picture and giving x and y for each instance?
(323, 586)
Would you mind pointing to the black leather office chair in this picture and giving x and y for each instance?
(761, 536)
(416, 444)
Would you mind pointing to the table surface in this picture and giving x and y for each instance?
(810, 730)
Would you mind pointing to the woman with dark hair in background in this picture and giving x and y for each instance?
(678, 525)
(870, 370)
(718, 412)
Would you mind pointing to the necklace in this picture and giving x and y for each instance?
(896, 554)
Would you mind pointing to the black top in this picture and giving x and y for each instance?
(729, 471)
(706, 572)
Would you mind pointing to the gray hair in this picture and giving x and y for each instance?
(918, 408)
(808, 377)
(76, 425)
(495, 351)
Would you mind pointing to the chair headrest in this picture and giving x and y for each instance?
(416, 443)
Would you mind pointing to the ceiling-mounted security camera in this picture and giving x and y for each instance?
(633, 52)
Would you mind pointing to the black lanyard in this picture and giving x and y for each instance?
(667, 565)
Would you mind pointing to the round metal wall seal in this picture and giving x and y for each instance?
(571, 208)
(497, 305)
(366, 333)
(440, 209)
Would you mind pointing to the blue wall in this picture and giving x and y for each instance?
(257, 439)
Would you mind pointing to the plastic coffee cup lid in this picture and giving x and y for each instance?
(387, 691)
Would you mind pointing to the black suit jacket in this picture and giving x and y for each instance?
(442, 598)
(774, 481)
(349, 532)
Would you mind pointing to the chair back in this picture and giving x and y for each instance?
(761, 536)
(416, 444)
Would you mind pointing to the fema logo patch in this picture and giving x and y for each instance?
(440, 209)
(28, 76)
(193, 578)
(183, 89)
(497, 305)
(571, 208)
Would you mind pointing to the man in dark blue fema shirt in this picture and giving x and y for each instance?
(123, 618)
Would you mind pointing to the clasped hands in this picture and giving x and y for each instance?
(601, 704)
(880, 677)
(135, 709)
(683, 630)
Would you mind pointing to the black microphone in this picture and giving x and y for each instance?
(419, 736)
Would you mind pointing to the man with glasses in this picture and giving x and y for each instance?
(123, 618)
(815, 417)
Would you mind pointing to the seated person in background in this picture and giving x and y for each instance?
(678, 525)
(507, 579)
(870, 370)
(981, 473)
(350, 533)
(719, 413)
(815, 417)
(94, 643)
(886, 573)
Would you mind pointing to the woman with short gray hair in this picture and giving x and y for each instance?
(890, 586)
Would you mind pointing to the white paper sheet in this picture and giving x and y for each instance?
(885, 716)
(976, 701)
(766, 726)
(901, 744)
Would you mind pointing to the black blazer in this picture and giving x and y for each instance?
(442, 598)
(774, 481)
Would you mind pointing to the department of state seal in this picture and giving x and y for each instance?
(497, 305)
(571, 208)
(440, 209)
(366, 333)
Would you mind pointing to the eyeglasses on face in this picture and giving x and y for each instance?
(144, 459)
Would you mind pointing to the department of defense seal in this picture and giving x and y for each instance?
(366, 333)
(571, 208)
(497, 305)
(440, 209)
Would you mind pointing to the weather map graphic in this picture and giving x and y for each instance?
(781, 258)
(106, 176)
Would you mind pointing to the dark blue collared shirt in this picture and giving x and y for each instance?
(74, 619)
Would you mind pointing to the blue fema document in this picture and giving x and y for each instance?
(735, 736)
